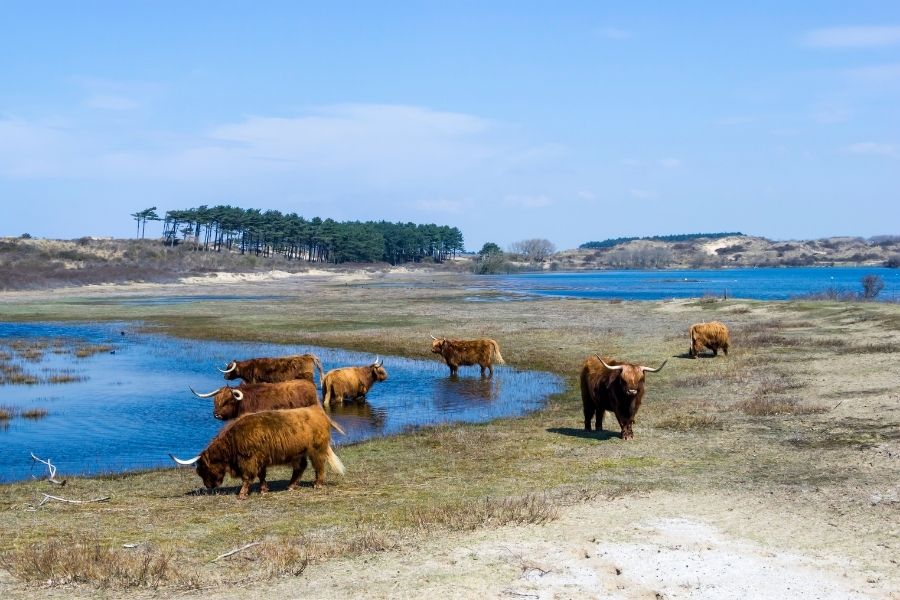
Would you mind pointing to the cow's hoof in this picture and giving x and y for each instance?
(242, 496)
(318, 486)
(264, 490)
(291, 488)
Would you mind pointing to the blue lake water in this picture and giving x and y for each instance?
(758, 284)
(134, 406)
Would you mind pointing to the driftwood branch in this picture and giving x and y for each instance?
(48, 498)
(236, 550)
(51, 467)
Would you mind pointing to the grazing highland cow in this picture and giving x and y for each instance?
(466, 353)
(246, 447)
(351, 382)
(618, 387)
(273, 370)
(712, 335)
(232, 402)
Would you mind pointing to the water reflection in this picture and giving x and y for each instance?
(454, 391)
(133, 406)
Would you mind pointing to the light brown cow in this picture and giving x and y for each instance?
(246, 447)
(351, 382)
(232, 402)
(466, 353)
(273, 370)
(712, 335)
(618, 387)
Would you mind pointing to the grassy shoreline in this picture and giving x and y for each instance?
(693, 432)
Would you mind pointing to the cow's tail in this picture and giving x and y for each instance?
(318, 364)
(334, 462)
(497, 352)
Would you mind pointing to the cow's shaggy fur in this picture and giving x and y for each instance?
(273, 370)
(466, 353)
(249, 445)
(263, 396)
(712, 335)
(351, 382)
(619, 391)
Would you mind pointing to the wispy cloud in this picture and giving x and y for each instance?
(110, 102)
(853, 37)
(874, 149)
(875, 74)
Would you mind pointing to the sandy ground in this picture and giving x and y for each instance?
(661, 545)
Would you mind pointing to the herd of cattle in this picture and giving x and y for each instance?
(278, 419)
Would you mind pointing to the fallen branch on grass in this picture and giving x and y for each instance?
(236, 550)
(48, 498)
(52, 469)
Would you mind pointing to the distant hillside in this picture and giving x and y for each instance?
(727, 250)
(681, 237)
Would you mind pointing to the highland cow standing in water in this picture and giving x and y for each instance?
(246, 447)
(232, 402)
(712, 335)
(351, 382)
(466, 353)
(618, 387)
(273, 370)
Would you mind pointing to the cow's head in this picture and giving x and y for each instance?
(378, 370)
(437, 344)
(629, 377)
(231, 371)
(225, 401)
(211, 474)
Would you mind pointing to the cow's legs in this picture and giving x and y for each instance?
(263, 486)
(625, 424)
(245, 488)
(299, 467)
(318, 461)
(589, 415)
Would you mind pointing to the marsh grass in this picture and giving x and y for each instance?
(83, 560)
(7, 413)
(530, 509)
(34, 413)
(86, 350)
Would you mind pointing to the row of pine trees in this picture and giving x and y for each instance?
(268, 233)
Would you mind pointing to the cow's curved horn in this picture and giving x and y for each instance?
(649, 370)
(185, 462)
(238, 395)
(212, 393)
(611, 367)
(231, 367)
(434, 338)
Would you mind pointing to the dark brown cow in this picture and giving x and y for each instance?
(618, 387)
(712, 335)
(232, 402)
(273, 370)
(466, 353)
(246, 447)
(351, 382)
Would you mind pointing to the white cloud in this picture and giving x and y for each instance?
(527, 201)
(853, 37)
(873, 149)
(585, 195)
(876, 74)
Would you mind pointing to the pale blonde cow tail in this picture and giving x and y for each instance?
(497, 352)
(334, 462)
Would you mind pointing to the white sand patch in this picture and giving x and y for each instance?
(711, 247)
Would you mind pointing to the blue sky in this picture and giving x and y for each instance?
(571, 121)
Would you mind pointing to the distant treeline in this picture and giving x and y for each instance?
(681, 237)
(268, 233)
